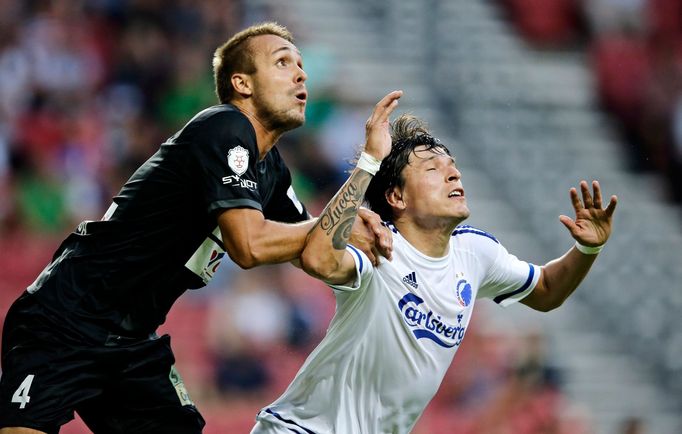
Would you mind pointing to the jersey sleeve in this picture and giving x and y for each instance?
(508, 279)
(284, 205)
(224, 145)
(364, 269)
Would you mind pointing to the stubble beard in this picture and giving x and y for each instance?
(276, 119)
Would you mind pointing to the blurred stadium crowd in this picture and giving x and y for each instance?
(90, 88)
(635, 50)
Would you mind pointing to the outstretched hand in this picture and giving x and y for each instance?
(592, 224)
(377, 133)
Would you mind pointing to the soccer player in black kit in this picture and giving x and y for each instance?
(82, 336)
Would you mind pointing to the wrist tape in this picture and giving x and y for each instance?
(368, 163)
(588, 250)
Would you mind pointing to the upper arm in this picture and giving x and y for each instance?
(507, 278)
(345, 274)
(334, 269)
(538, 297)
(240, 228)
(250, 239)
(223, 146)
(354, 268)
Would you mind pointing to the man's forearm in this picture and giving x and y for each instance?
(327, 240)
(252, 240)
(561, 276)
(284, 241)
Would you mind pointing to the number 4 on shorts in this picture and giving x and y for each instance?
(21, 394)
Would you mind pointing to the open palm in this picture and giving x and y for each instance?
(592, 224)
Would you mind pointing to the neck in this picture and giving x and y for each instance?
(265, 137)
(432, 241)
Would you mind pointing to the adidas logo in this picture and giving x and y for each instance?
(411, 279)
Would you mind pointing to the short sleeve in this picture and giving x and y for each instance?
(508, 279)
(224, 145)
(283, 205)
(363, 269)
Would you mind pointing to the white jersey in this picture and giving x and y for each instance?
(394, 335)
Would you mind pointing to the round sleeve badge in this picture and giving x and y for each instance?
(238, 160)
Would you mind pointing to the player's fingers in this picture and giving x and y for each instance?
(597, 194)
(383, 116)
(387, 100)
(383, 239)
(373, 256)
(575, 200)
(385, 244)
(587, 197)
(384, 107)
(568, 222)
(612, 205)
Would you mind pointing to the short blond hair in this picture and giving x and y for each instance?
(235, 55)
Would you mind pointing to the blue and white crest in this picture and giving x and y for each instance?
(464, 292)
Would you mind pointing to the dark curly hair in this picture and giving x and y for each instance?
(407, 133)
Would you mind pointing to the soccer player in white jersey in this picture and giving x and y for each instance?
(398, 325)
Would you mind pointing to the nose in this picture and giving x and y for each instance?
(454, 174)
(301, 76)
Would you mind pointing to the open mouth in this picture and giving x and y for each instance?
(302, 96)
(458, 192)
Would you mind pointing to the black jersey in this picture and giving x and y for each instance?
(160, 236)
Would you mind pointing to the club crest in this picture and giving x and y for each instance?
(464, 292)
(238, 160)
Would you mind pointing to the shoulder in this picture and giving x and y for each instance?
(484, 245)
(472, 234)
(221, 120)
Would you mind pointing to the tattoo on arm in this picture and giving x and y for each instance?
(338, 217)
(342, 234)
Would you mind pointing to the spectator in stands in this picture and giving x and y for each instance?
(633, 425)
(241, 345)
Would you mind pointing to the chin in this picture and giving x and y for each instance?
(291, 121)
(298, 120)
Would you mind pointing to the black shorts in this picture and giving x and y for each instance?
(122, 388)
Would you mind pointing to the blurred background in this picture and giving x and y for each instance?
(531, 95)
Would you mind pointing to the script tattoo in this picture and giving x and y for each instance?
(342, 234)
(339, 216)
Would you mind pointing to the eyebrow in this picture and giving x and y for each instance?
(284, 48)
(432, 157)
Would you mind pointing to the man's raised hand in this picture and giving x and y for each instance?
(377, 131)
(592, 224)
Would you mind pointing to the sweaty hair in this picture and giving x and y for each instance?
(236, 55)
(407, 133)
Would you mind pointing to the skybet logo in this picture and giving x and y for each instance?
(235, 181)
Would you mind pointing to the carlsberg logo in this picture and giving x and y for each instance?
(429, 325)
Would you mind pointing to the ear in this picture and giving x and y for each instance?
(395, 199)
(242, 84)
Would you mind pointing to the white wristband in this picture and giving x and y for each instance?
(588, 250)
(368, 163)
